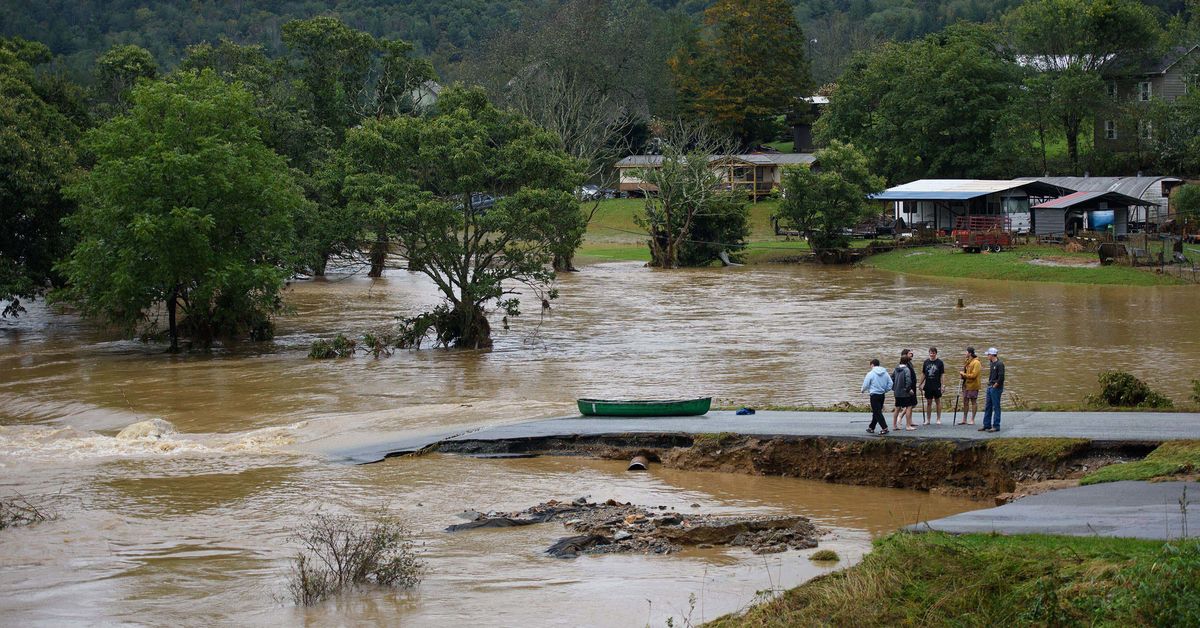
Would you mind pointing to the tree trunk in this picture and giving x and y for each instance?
(1071, 129)
(564, 263)
(473, 331)
(379, 251)
(319, 268)
(172, 303)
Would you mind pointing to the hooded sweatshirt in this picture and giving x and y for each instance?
(877, 381)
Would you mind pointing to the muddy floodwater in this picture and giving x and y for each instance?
(193, 527)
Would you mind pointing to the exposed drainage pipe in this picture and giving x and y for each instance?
(638, 463)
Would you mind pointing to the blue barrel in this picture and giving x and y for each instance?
(1100, 219)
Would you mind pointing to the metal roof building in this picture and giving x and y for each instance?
(1152, 190)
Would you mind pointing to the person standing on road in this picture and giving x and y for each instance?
(932, 371)
(877, 383)
(991, 409)
(970, 374)
(904, 383)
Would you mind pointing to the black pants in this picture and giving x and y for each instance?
(877, 412)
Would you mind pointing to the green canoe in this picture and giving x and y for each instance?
(608, 407)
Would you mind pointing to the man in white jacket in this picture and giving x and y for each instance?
(877, 383)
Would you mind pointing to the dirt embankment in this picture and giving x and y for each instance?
(1000, 469)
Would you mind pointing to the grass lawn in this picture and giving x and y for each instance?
(945, 261)
(1169, 459)
(934, 579)
(612, 234)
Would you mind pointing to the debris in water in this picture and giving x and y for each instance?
(612, 527)
(154, 428)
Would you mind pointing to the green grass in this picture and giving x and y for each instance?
(1049, 449)
(612, 235)
(784, 146)
(935, 579)
(945, 261)
(1170, 458)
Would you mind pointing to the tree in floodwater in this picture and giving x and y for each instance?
(422, 179)
(37, 155)
(823, 203)
(185, 208)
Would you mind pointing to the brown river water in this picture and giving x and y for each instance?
(193, 528)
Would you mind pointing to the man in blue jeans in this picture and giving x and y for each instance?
(991, 411)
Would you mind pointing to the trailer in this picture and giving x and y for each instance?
(974, 234)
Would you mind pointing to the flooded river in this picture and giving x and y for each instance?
(193, 528)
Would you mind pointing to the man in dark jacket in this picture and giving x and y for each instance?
(904, 385)
(991, 411)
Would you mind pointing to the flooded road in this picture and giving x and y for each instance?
(193, 527)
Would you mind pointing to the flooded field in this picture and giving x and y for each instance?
(193, 527)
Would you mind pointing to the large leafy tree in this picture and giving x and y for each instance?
(823, 202)
(117, 71)
(748, 69)
(939, 107)
(185, 210)
(37, 156)
(1070, 42)
(418, 180)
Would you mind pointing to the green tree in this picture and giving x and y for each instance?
(335, 62)
(940, 107)
(1186, 200)
(722, 226)
(748, 72)
(37, 156)
(186, 209)
(417, 179)
(823, 202)
(1176, 130)
(1071, 41)
(118, 71)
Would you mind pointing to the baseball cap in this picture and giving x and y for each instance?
(992, 351)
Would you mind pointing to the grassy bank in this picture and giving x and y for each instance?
(1170, 459)
(985, 580)
(613, 235)
(1027, 263)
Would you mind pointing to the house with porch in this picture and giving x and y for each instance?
(757, 174)
(940, 203)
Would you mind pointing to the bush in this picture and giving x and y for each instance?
(340, 552)
(1121, 389)
(1196, 390)
(825, 555)
(339, 347)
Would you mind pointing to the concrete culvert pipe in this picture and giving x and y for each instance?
(639, 463)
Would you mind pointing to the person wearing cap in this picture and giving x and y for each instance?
(991, 408)
(970, 375)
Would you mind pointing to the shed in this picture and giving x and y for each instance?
(1151, 189)
(1084, 210)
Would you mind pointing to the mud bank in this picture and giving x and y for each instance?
(997, 469)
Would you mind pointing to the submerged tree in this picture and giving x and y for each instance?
(822, 204)
(37, 155)
(187, 209)
(478, 199)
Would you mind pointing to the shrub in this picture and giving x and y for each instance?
(1196, 390)
(1121, 389)
(340, 552)
(339, 347)
(825, 555)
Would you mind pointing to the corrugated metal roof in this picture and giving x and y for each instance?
(948, 189)
(1130, 186)
(1078, 198)
(761, 159)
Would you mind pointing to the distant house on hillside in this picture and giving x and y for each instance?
(1139, 83)
(754, 173)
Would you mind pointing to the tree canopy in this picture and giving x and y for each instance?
(938, 107)
(37, 156)
(420, 179)
(823, 203)
(186, 209)
(748, 68)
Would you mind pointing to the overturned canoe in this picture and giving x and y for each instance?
(609, 407)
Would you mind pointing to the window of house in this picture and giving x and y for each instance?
(1145, 131)
(1112, 89)
(1110, 130)
(1144, 91)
